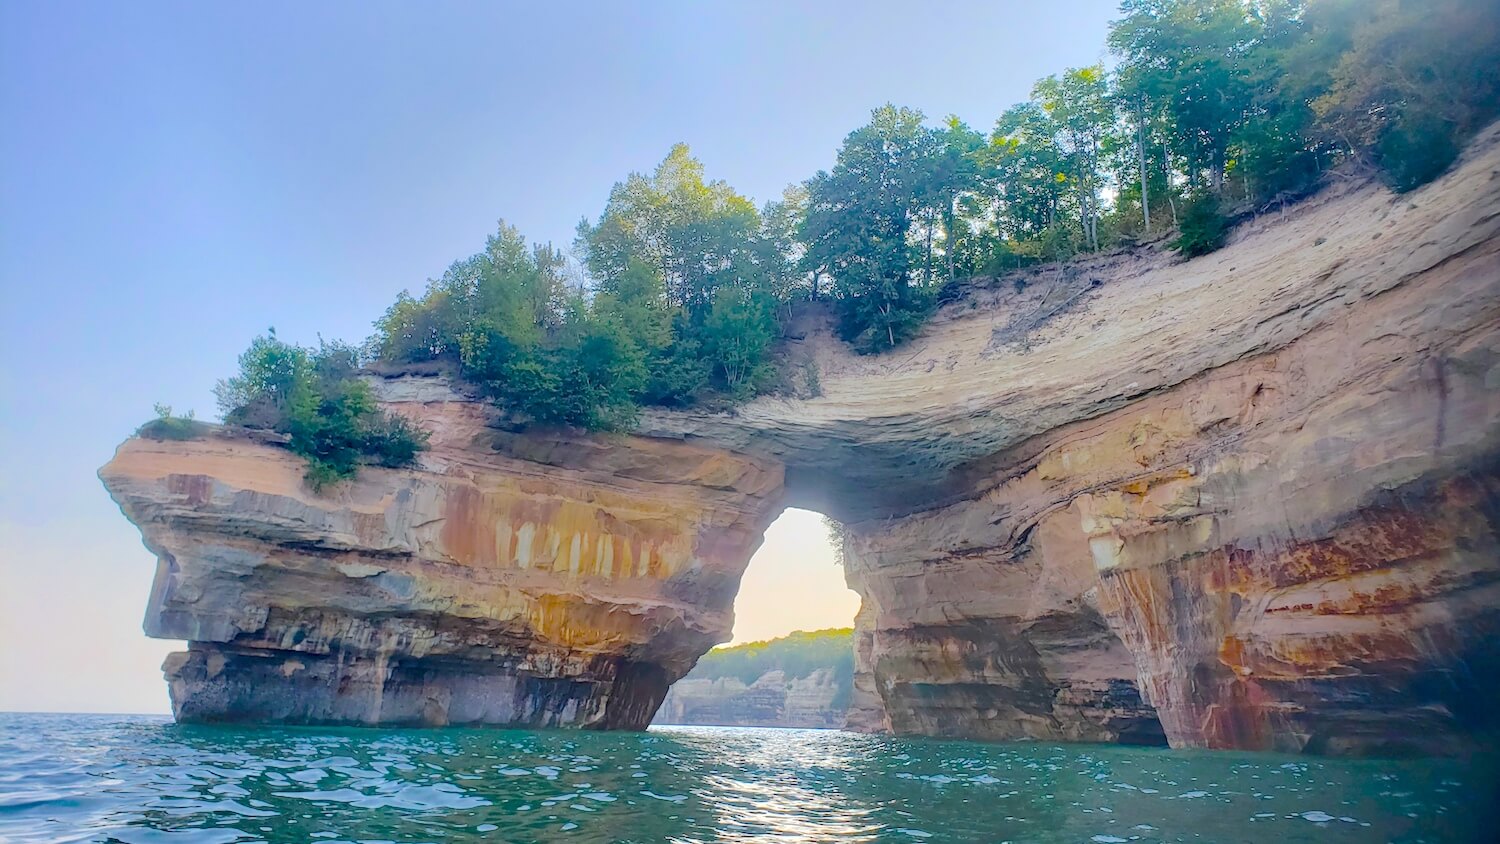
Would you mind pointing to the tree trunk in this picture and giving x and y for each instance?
(1166, 173)
(948, 227)
(1083, 202)
(1093, 191)
(927, 271)
(1140, 127)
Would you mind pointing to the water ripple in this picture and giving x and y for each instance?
(138, 780)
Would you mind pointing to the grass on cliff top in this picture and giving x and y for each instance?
(169, 426)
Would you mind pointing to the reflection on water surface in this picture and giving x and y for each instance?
(145, 780)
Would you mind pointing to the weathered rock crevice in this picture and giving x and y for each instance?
(1248, 500)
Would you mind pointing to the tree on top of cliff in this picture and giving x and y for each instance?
(314, 397)
(683, 307)
(719, 267)
(1416, 81)
(1217, 108)
(858, 220)
(698, 236)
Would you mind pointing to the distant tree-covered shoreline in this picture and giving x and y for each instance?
(797, 654)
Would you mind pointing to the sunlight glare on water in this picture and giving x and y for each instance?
(144, 780)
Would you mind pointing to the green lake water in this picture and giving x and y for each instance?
(145, 780)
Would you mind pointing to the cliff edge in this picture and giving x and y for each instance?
(1248, 500)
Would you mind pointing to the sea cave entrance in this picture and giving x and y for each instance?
(791, 660)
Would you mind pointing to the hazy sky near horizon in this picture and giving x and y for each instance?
(177, 177)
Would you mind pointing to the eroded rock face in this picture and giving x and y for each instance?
(818, 700)
(1249, 500)
(530, 580)
(1298, 549)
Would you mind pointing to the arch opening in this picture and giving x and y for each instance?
(790, 662)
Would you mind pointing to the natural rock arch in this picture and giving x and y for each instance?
(1248, 500)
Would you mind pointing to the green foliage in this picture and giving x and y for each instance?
(698, 236)
(1414, 150)
(1026, 165)
(315, 398)
(483, 310)
(812, 382)
(507, 320)
(167, 426)
(1417, 80)
(700, 271)
(859, 219)
(1081, 117)
(1215, 108)
(1186, 57)
(737, 335)
(1255, 100)
(1203, 227)
(685, 306)
(271, 375)
(838, 538)
(798, 655)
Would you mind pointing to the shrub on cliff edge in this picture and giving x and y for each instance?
(315, 398)
(1203, 226)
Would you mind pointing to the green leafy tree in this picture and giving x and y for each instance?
(272, 377)
(696, 234)
(696, 274)
(316, 398)
(1417, 80)
(1046, 160)
(858, 221)
(1030, 172)
(1276, 156)
(948, 193)
(1081, 115)
(737, 337)
(1203, 226)
(1186, 58)
(781, 251)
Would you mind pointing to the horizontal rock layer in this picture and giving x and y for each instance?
(818, 700)
(530, 580)
(1248, 500)
(1297, 549)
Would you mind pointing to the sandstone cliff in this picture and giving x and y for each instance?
(1249, 500)
(531, 580)
(818, 700)
(802, 679)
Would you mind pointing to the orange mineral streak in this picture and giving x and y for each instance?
(1232, 654)
(600, 553)
(504, 528)
(1244, 500)
(564, 621)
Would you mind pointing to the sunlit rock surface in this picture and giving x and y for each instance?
(533, 580)
(1248, 500)
(1245, 501)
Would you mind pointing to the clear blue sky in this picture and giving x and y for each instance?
(176, 177)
